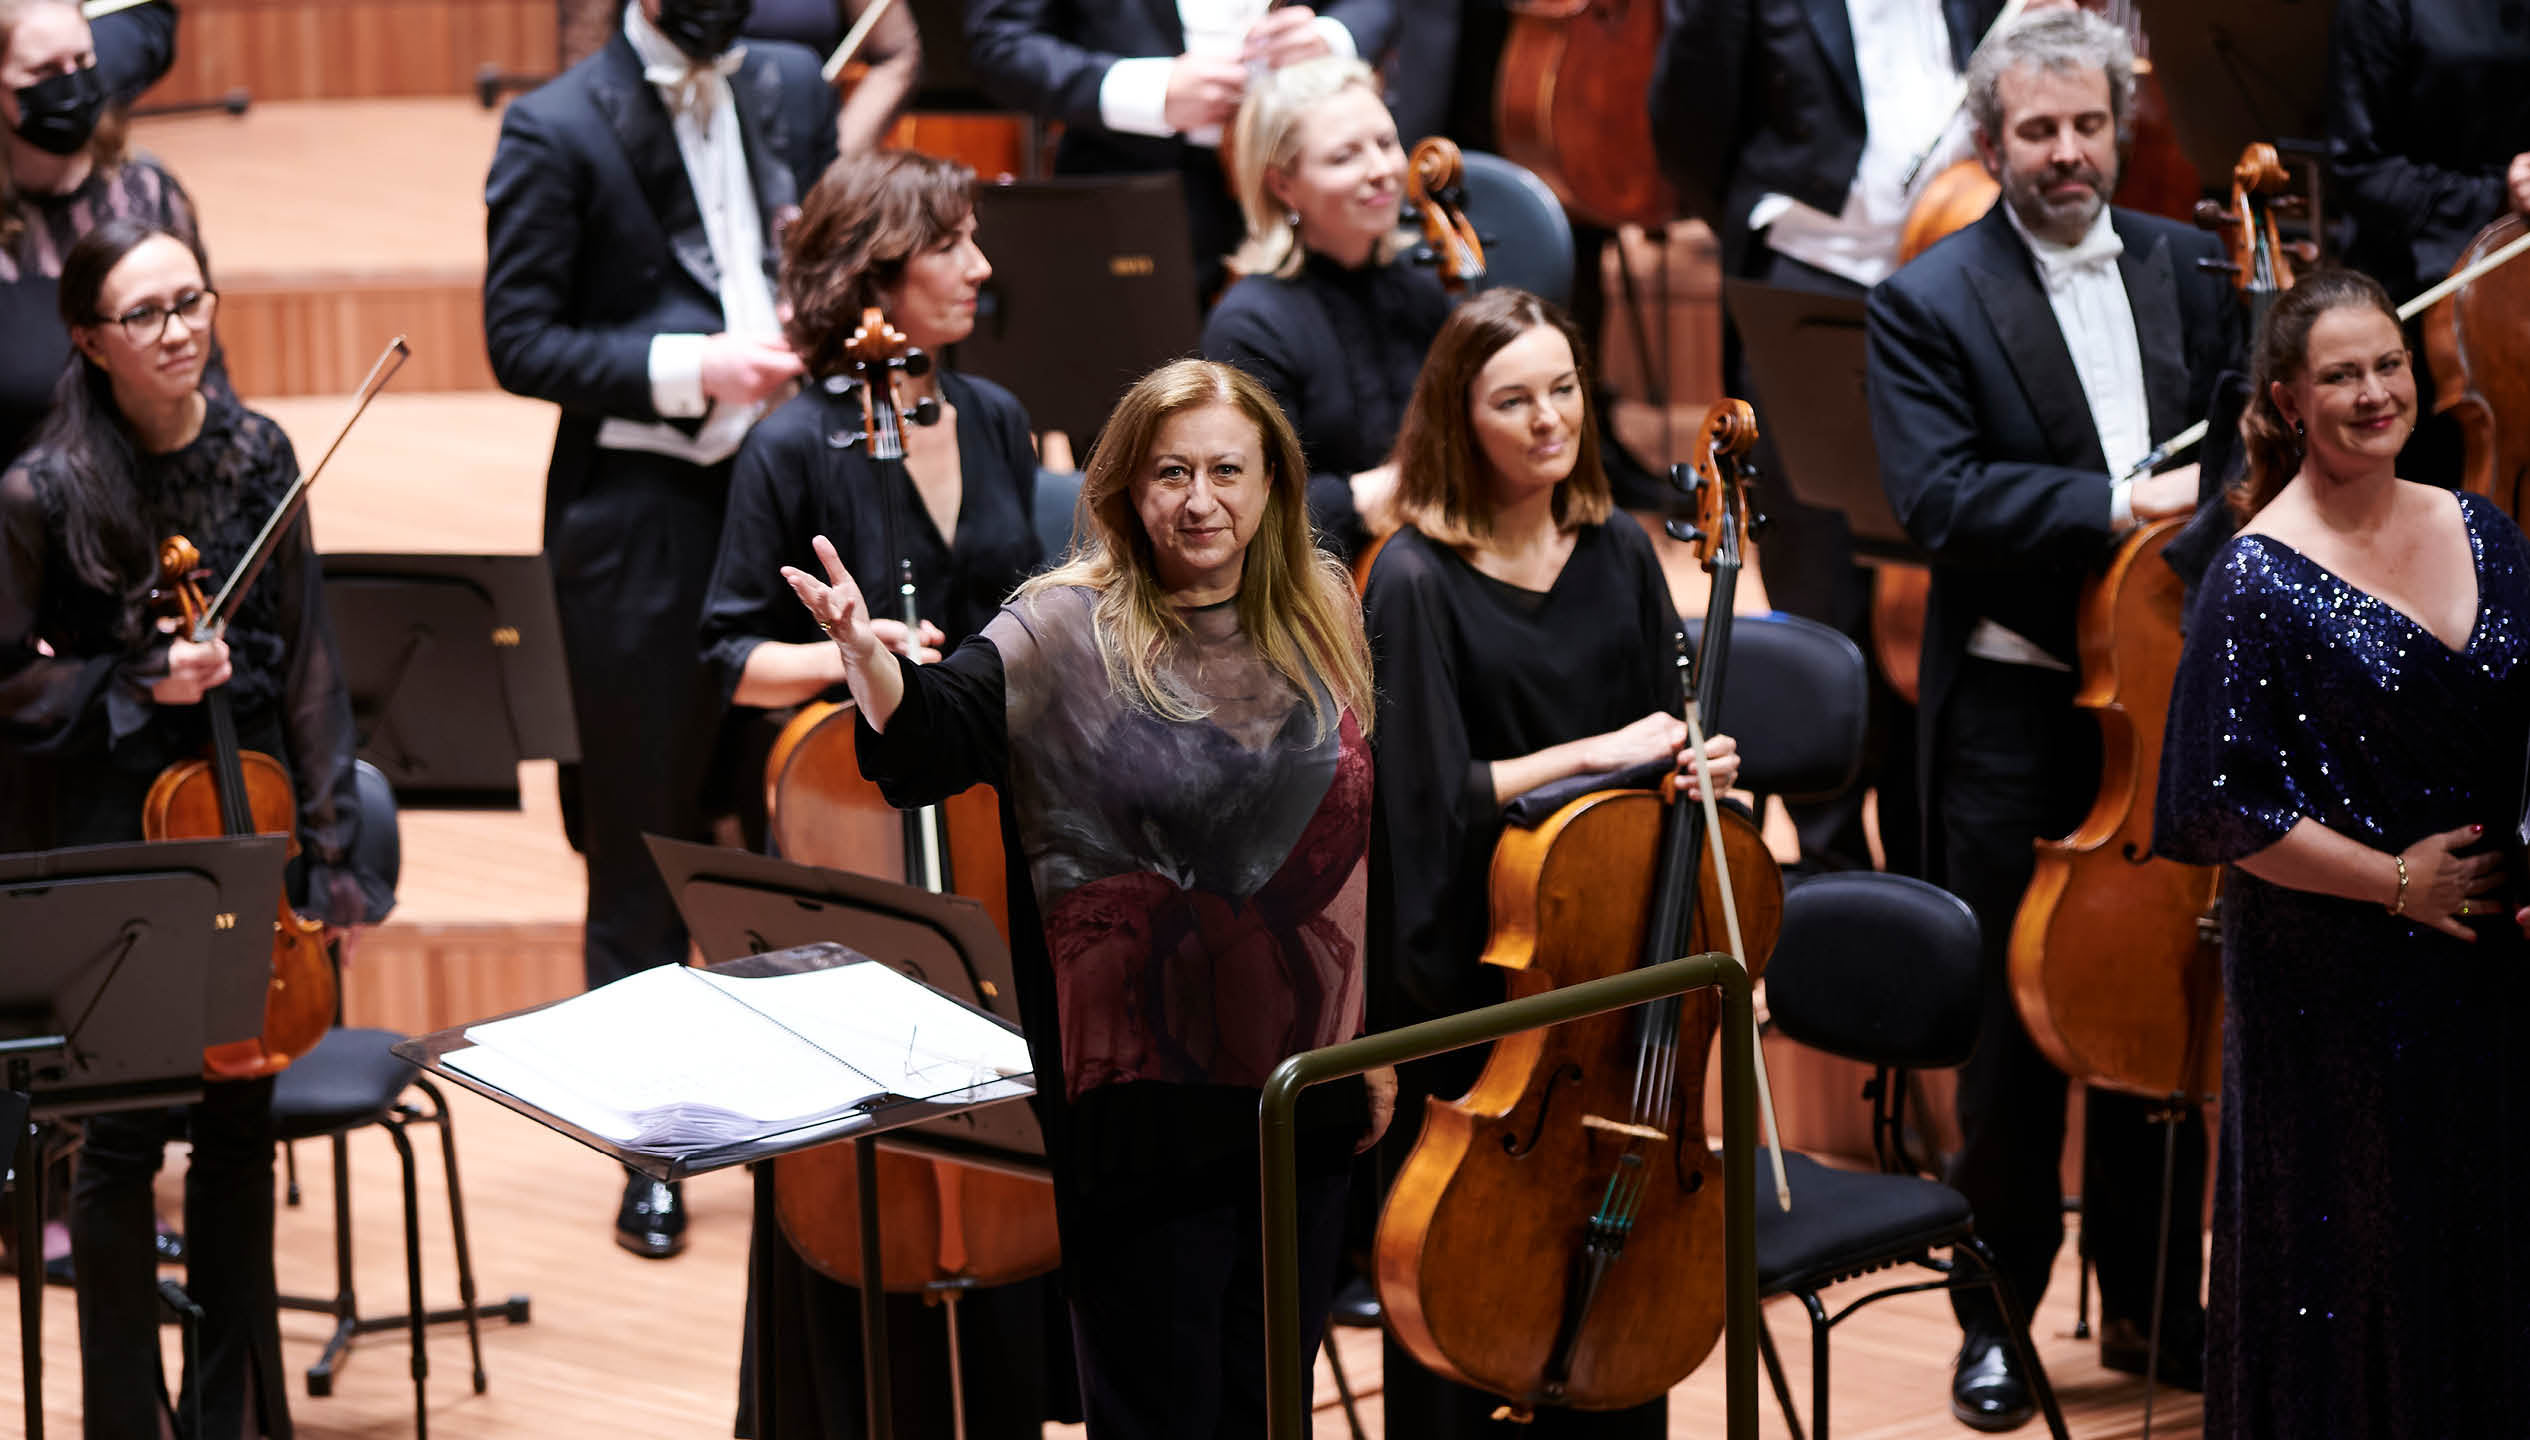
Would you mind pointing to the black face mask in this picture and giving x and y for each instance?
(58, 113)
(703, 29)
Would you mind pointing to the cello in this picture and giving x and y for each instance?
(1555, 1237)
(944, 1227)
(235, 791)
(1436, 176)
(1568, 104)
(2479, 348)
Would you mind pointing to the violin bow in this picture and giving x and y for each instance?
(1959, 100)
(2188, 438)
(224, 605)
(854, 38)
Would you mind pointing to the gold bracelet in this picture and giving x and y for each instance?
(2399, 905)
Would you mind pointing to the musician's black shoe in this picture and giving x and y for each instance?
(1356, 1305)
(2124, 1348)
(652, 1222)
(1987, 1390)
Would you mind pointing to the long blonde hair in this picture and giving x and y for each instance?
(1296, 603)
(1265, 140)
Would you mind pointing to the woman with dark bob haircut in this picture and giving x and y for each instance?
(893, 230)
(2346, 735)
(137, 449)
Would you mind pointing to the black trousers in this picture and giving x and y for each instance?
(1168, 1304)
(1807, 554)
(631, 561)
(228, 1233)
(2017, 762)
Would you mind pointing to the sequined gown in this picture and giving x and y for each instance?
(2372, 1201)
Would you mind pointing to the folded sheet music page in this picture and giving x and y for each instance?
(677, 1057)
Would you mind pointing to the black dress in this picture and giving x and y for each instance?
(1340, 347)
(1186, 903)
(1472, 670)
(800, 1373)
(85, 715)
(2371, 1195)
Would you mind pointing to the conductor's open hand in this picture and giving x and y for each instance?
(836, 605)
(194, 669)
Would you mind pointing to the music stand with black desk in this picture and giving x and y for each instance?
(1800, 342)
(102, 935)
(454, 664)
(744, 901)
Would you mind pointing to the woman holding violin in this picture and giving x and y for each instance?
(1176, 720)
(1522, 633)
(137, 449)
(894, 230)
(1328, 311)
(2347, 734)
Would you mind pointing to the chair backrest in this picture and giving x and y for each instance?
(1798, 699)
(1877, 968)
(1527, 239)
(379, 847)
(1058, 497)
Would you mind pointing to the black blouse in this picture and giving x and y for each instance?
(2429, 100)
(34, 348)
(1340, 348)
(85, 709)
(791, 485)
(1472, 670)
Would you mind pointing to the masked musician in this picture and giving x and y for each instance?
(633, 204)
(137, 449)
(2016, 369)
(1521, 633)
(1326, 310)
(895, 230)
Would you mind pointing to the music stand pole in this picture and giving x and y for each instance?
(21, 1056)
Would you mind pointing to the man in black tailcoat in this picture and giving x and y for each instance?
(2018, 369)
(634, 206)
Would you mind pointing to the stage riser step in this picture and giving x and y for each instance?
(352, 49)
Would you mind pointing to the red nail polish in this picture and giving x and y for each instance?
(2477, 829)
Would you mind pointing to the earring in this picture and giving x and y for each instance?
(1291, 218)
(2299, 432)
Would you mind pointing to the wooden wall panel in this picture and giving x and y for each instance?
(352, 49)
(420, 978)
(320, 336)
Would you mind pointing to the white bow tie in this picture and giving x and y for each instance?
(2061, 265)
(693, 88)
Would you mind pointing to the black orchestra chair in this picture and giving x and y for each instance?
(1527, 239)
(1800, 686)
(1882, 969)
(352, 1079)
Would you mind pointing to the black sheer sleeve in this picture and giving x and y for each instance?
(1435, 801)
(315, 713)
(766, 524)
(949, 733)
(60, 703)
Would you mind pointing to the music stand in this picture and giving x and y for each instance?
(454, 663)
(2235, 71)
(1800, 342)
(1104, 294)
(107, 933)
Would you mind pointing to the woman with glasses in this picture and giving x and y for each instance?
(62, 170)
(101, 699)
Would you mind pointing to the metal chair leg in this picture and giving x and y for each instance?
(457, 1225)
(1774, 1375)
(1343, 1386)
(419, 1316)
(2016, 1327)
(1819, 1324)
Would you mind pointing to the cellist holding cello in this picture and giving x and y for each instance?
(894, 230)
(2015, 369)
(136, 451)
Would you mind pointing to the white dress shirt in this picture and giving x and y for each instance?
(1133, 97)
(2098, 322)
(704, 114)
(1909, 81)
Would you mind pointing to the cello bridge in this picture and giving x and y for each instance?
(1620, 1127)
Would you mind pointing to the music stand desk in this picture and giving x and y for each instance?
(1806, 344)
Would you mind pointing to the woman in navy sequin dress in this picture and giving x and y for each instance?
(2353, 706)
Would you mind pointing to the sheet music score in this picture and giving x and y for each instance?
(676, 1058)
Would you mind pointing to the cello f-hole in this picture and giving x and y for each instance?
(1515, 1148)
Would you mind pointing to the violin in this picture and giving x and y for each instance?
(1556, 1235)
(235, 791)
(1436, 176)
(2478, 346)
(944, 1227)
(2115, 957)
(1568, 104)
